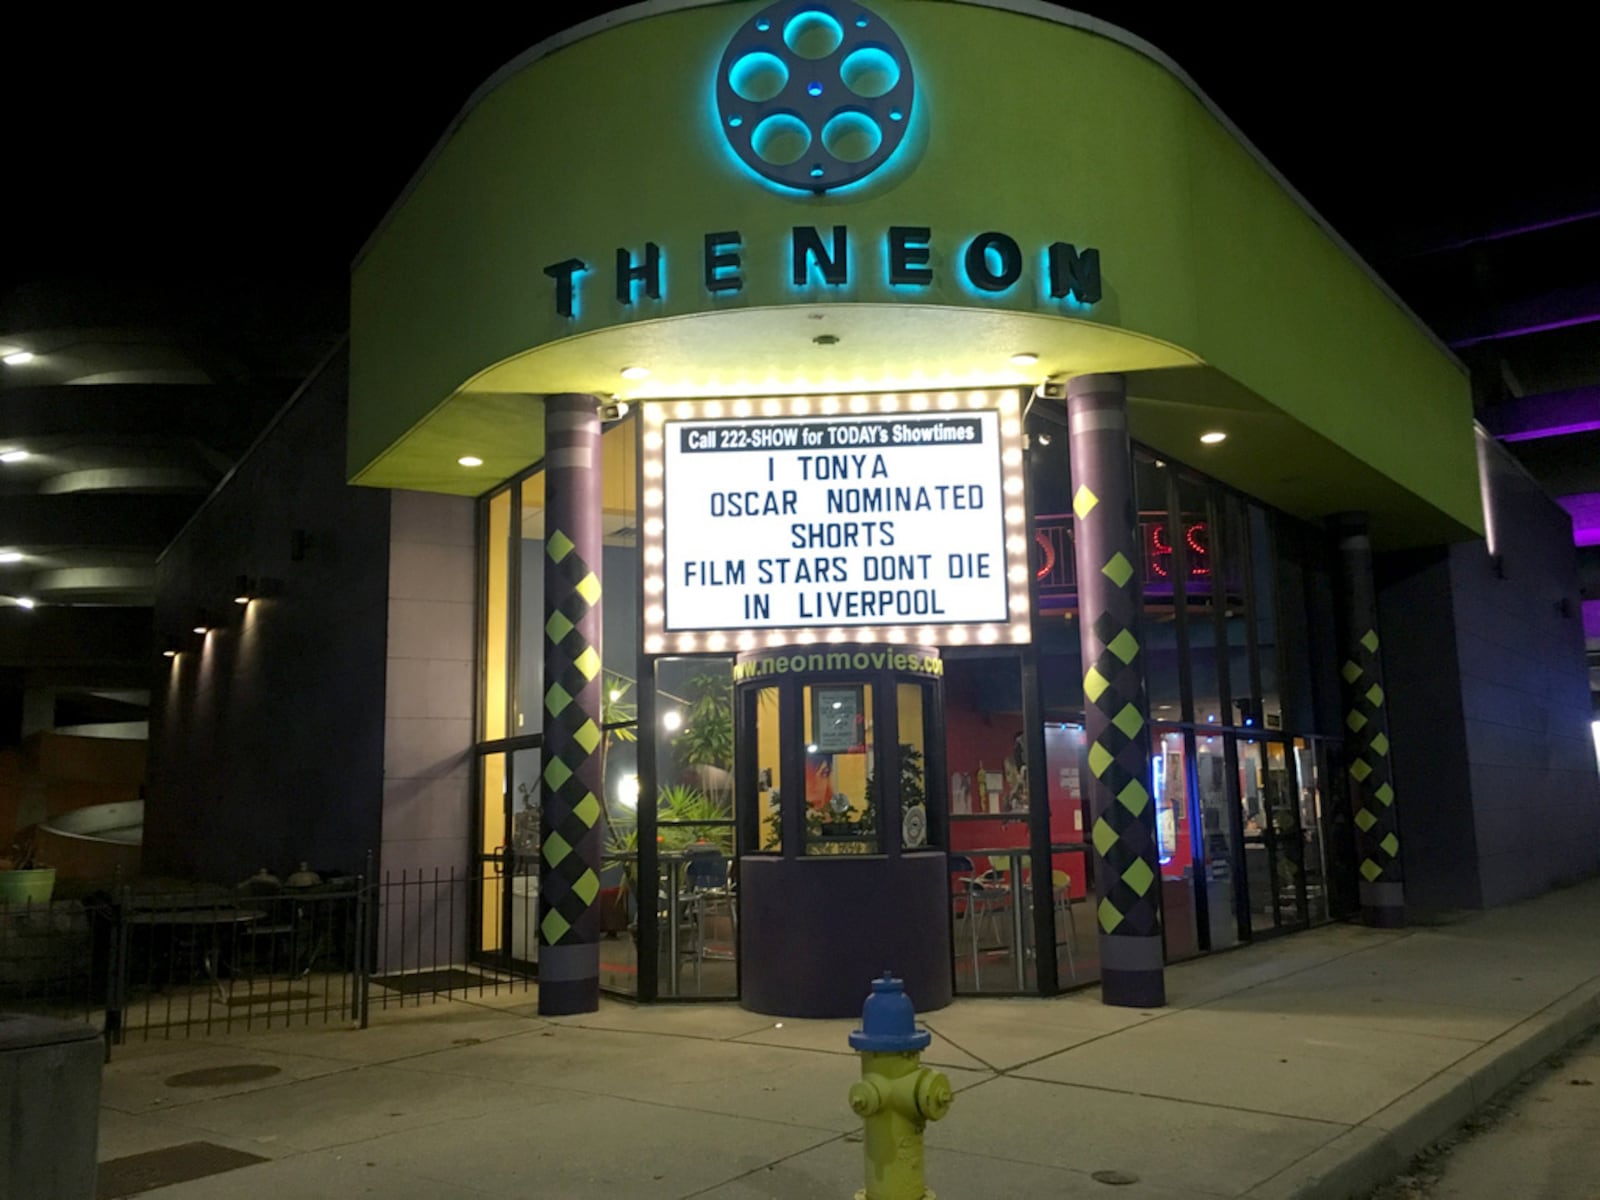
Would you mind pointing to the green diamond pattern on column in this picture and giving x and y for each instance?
(587, 736)
(558, 546)
(1099, 759)
(1133, 797)
(554, 926)
(1138, 876)
(1128, 720)
(558, 626)
(1083, 502)
(1391, 845)
(555, 849)
(1118, 569)
(587, 810)
(1360, 769)
(1371, 870)
(557, 773)
(588, 663)
(1094, 684)
(587, 887)
(556, 699)
(1375, 696)
(589, 588)
(1380, 742)
(1104, 837)
(1370, 641)
(1350, 671)
(1110, 918)
(1365, 820)
(1124, 646)
(1385, 793)
(1355, 720)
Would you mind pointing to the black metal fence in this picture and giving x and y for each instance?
(191, 961)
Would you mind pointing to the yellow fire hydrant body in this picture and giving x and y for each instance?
(896, 1096)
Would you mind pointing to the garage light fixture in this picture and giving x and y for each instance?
(1212, 438)
(14, 456)
(470, 460)
(18, 358)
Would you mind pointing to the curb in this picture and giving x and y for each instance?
(1381, 1146)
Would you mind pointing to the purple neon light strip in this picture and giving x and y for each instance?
(1549, 414)
(1585, 510)
(1516, 231)
(1523, 330)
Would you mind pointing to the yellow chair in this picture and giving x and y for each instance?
(1061, 883)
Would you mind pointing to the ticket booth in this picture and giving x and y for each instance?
(843, 820)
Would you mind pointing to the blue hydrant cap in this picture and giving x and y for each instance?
(889, 1021)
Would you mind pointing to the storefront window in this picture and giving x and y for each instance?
(842, 809)
(1169, 776)
(1070, 882)
(916, 832)
(1218, 838)
(1264, 607)
(1158, 564)
(767, 713)
(497, 616)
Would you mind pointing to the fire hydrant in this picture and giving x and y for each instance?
(896, 1096)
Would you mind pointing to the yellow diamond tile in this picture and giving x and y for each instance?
(1133, 797)
(1125, 646)
(1380, 743)
(1385, 793)
(1110, 918)
(554, 927)
(588, 663)
(1370, 641)
(1391, 845)
(558, 546)
(557, 627)
(555, 849)
(587, 887)
(1129, 721)
(1104, 837)
(1099, 759)
(1360, 769)
(1375, 696)
(1365, 820)
(1118, 569)
(1083, 501)
(587, 736)
(1371, 870)
(1350, 671)
(1094, 684)
(587, 810)
(556, 699)
(1139, 876)
(557, 773)
(589, 588)
(1355, 720)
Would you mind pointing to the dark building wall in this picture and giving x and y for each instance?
(1525, 693)
(267, 734)
(1489, 705)
(1428, 731)
(432, 677)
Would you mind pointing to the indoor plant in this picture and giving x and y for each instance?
(23, 878)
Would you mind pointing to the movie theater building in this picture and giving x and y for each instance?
(938, 500)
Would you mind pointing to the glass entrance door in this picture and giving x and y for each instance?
(1274, 850)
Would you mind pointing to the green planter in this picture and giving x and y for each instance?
(25, 887)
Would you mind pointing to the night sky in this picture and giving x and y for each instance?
(139, 142)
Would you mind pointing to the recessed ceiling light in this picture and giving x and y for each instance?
(14, 456)
(1026, 359)
(25, 602)
(636, 372)
(10, 556)
(241, 599)
(1212, 438)
(470, 460)
(202, 630)
(17, 358)
(169, 653)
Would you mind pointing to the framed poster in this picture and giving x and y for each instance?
(838, 722)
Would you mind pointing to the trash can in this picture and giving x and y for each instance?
(49, 1107)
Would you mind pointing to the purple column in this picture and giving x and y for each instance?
(1116, 711)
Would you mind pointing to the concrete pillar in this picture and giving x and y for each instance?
(570, 825)
(1122, 818)
(1366, 723)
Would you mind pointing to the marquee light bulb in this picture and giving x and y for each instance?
(635, 373)
(653, 441)
(655, 413)
(652, 497)
(654, 644)
(653, 556)
(1025, 359)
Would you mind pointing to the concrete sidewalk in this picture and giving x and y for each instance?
(1311, 1066)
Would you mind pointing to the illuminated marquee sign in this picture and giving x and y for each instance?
(835, 518)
